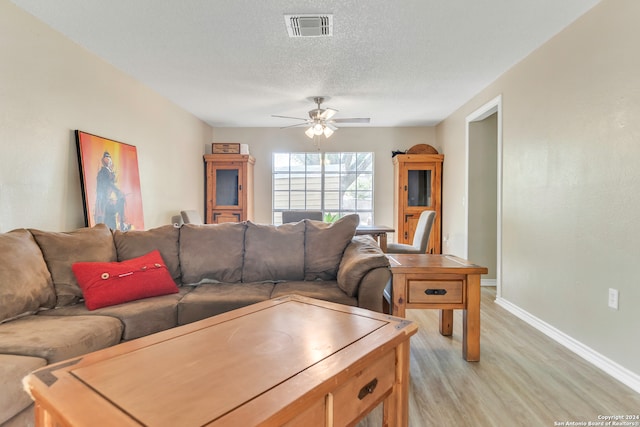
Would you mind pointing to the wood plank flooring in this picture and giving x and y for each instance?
(523, 378)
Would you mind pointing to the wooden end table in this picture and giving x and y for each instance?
(443, 282)
(288, 361)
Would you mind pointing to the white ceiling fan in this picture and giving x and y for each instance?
(321, 121)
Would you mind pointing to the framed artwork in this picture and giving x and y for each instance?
(110, 182)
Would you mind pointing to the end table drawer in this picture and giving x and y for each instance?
(435, 291)
(366, 388)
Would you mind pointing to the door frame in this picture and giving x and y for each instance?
(493, 106)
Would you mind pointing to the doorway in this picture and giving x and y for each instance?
(484, 190)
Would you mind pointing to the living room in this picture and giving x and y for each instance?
(569, 178)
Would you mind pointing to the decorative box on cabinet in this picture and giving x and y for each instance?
(229, 188)
(418, 187)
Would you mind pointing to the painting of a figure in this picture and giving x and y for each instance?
(110, 182)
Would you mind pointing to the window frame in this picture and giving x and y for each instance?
(359, 183)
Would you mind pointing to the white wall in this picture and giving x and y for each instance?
(49, 87)
(571, 181)
(382, 141)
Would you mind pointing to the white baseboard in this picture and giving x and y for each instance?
(488, 282)
(617, 371)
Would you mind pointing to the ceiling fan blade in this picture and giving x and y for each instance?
(328, 113)
(289, 117)
(296, 125)
(352, 120)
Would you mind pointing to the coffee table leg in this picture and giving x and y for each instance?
(395, 411)
(446, 322)
(471, 320)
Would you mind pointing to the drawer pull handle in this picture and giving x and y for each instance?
(436, 292)
(368, 389)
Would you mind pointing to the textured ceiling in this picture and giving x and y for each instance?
(231, 62)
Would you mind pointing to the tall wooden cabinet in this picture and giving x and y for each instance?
(228, 187)
(418, 187)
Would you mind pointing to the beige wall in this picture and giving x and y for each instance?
(571, 181)
(382, 141)
(483, 149)
(49, 87)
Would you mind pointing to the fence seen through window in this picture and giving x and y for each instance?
(337, 184)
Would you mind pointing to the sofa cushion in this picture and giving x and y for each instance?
(57, 338)
(361, 256)
(13, 368)
(25, 282)
(140, 318)
(61, 250)
(211, 252)
(327, 290)
(273, 252)
(110, 283)
(324, 244)
(135, 243)
(26, 418)
(208, 300)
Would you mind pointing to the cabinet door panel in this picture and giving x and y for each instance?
(410, 224)
(221, 217)
(227, 186)
(419, 186)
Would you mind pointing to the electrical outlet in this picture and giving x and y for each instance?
(613, 298)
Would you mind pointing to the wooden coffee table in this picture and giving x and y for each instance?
(443, 282)
(287, 361)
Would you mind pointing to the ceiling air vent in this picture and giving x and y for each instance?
(309, 25)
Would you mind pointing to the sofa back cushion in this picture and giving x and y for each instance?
(211, 252)
(324, 245)
(25, 282)
(135, 243)
(273, 253)
(62, 249)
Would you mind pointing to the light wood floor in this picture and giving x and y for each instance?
(523, 378)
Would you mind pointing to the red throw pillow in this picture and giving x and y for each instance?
(110, 283)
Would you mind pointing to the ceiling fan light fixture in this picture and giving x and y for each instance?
(327, 132)
(309, 132)
(321, 121)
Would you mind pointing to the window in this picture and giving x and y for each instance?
(338, 184)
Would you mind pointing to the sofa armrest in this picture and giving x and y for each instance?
(358, 275)
(371, 289)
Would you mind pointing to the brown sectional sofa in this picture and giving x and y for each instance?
(217, 268)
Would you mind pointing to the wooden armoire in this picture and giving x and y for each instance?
(418, 187)
(228, 188)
